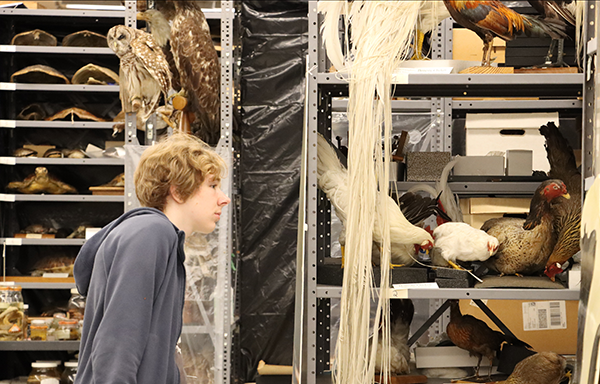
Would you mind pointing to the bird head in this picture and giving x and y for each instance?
(426, 245)
(552, 270)
(555, 188)
(119, 38)
(493, 246)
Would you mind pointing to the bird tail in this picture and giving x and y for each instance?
(536, 27)
(561, 157)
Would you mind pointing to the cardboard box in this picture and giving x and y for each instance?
(519, 162)
(510, 312)
(478, 205)
(477, 220)
(479, 166)
(441, 357)
(488, 132)
(466, 45)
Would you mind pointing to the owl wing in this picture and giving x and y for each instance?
(200, 72)
(147, 50)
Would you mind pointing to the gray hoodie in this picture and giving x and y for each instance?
(133, 277)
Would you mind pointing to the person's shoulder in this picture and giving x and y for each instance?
(150, 224)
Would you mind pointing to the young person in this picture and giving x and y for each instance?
(132, 271)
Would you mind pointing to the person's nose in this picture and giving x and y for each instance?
(224, 199)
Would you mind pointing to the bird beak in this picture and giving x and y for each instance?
(115, 45)
(566, 196)
(141, 16)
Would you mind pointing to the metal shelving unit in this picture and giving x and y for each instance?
(66, 345)
(55, 124)
(324, 93)
(16, 241)
(60, 49)
(63, 198)
(59, 161)
(58, 87)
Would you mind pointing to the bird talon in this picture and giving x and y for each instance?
(455, 266)
(392, 266)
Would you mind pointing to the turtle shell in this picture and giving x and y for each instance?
(74, 153)
(32, 112)
(54, 264)
(117, 181)
(84, 39)
(24, 152)
(95, 74)
(39, 74)
(74, 111)
(53, 153)
(34, 37)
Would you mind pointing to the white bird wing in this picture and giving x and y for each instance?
(460, 241)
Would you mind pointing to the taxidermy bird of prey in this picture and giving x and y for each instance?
(491, 18)
(196, 62)
(333, 180)
(401, 315)
(541, 368)
(144, 72)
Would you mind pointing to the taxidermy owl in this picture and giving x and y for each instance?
(144, 72)
(198, 70)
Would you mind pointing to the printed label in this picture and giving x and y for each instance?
(540, 315)
(49, 380)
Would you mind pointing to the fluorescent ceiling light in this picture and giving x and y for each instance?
(96, 7)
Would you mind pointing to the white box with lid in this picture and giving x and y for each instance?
(487, 132)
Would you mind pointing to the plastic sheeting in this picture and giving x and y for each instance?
(274, 43)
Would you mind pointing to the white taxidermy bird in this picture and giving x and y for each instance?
(332, 178)
(461, 242)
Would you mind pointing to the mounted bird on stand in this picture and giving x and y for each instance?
(195, 65)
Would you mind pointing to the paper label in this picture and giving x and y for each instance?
(6, 197)
(8, 160)
(8, 124)
(8, 86)
(13, 241)
(8, 48)
(49, 380)
(540, 315)
(56, 275)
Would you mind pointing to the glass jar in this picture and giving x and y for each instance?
(38, 330)
(45, 373)
(68, 376)
(76, 306)
(11, 313)
(67, 330)
(57, 365)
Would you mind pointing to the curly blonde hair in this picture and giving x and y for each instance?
(181, 160)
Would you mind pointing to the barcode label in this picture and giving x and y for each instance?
(540, 315)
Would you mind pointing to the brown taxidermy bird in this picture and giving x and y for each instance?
(196, 62)
(525, 245)
(474, 335)
(567, 217)
(491, 18)
(541, 368)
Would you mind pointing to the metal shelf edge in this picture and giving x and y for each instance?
(63, 198)
(58, 49)
(26, 345)
(465, 79)
(467, 293)
(61, 13)
(15, 241)
(62, 161)
(58, 87)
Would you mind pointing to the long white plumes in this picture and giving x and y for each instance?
(381, 36)
(430, 15)
(578, 9)
(332, 10)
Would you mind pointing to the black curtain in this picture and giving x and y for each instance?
(274, 43)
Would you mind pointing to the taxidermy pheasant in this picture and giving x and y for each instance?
(525, 245)
(474, 335)
(567, 215)
(332, 178)
(491, 18)
(401, 315)
(541, 368)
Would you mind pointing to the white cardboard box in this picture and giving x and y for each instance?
(440, 357)
(488, 132)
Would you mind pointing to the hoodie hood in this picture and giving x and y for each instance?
(84, 263)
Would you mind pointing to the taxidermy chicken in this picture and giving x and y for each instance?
(491, 18)
(525, 245)
(460, 241)
(401, 315)
(474, 335)
(541, 368)
(332, 178)
(560, 11)
(567, 215)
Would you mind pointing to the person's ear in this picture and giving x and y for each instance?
(175, 195)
